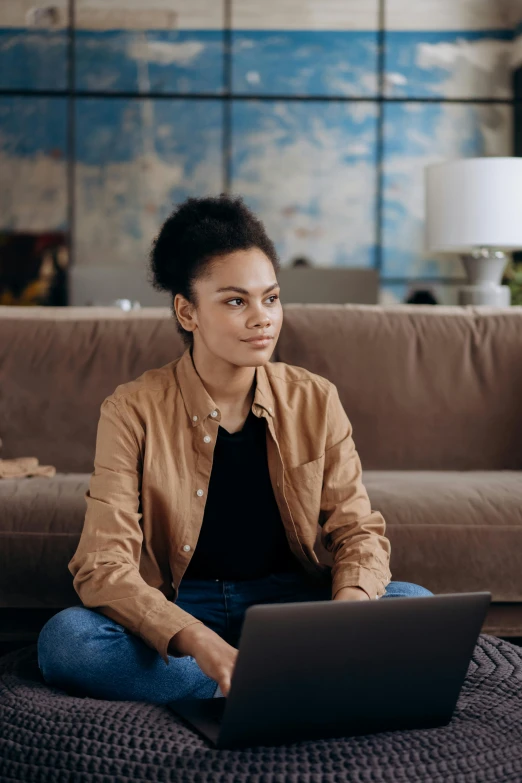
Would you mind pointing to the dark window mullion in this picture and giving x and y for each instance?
(71, 131)
(380, 139)
(227, 97)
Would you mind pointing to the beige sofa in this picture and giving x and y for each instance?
(434, 395)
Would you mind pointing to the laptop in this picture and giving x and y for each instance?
(324, 669)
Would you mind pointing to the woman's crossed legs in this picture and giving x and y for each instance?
(85, 653)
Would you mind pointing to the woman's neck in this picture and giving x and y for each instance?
(231, 388)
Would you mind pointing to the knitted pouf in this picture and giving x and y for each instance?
(49, 736)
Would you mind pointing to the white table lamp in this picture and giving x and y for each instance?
(474, 207)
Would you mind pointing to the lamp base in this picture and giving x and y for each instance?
(494, 295)
(484, 268)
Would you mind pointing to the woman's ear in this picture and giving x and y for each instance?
(185, 313)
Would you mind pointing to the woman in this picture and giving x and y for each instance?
(213, 477)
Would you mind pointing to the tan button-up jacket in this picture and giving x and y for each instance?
(152, 466)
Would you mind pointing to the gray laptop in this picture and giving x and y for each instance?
(319, 669)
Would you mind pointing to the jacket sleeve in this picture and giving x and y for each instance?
(351, 530)
(105, 565)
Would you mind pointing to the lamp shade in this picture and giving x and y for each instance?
(474, 202)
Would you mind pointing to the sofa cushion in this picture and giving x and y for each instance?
(57, 365)
(425, 388)
(449, 532)
(41, 521)
(453, 531)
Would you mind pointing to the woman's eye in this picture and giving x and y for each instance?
(238, 298)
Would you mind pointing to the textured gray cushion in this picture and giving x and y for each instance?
(47, 735)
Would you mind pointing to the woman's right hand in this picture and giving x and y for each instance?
(214, 656)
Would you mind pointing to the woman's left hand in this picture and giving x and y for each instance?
(351, 594)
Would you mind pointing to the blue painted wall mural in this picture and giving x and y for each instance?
(325, 128)
(305, 62)
(150, 61)
(297, 162)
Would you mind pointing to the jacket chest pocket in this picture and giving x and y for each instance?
(303, 485)
(309, 473)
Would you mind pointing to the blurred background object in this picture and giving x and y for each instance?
(303, 284)
(513, 278)
(33, 269)
(126, 304)
(301, 261)
(103, 285)
(322, 116)
(421, 296)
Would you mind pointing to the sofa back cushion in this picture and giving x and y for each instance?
(57, 365)
(425, 387)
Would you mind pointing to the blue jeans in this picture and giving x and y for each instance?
(84, 653)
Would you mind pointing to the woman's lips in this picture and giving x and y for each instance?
(259, 343)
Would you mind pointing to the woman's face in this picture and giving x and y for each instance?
(238, 299)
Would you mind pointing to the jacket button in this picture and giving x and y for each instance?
(195, 418)
(214, 414)
(186, 548)
(199, 492)
(207, 438)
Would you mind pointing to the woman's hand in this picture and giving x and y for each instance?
(214, 656)
(351, 594)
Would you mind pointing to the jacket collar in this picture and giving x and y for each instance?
(199, 404)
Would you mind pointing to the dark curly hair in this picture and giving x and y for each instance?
(198, 231)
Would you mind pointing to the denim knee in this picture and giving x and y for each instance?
(63, 632)
(405, 590)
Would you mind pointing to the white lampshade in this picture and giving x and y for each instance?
(474, 202)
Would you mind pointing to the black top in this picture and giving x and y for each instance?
(242, 535)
